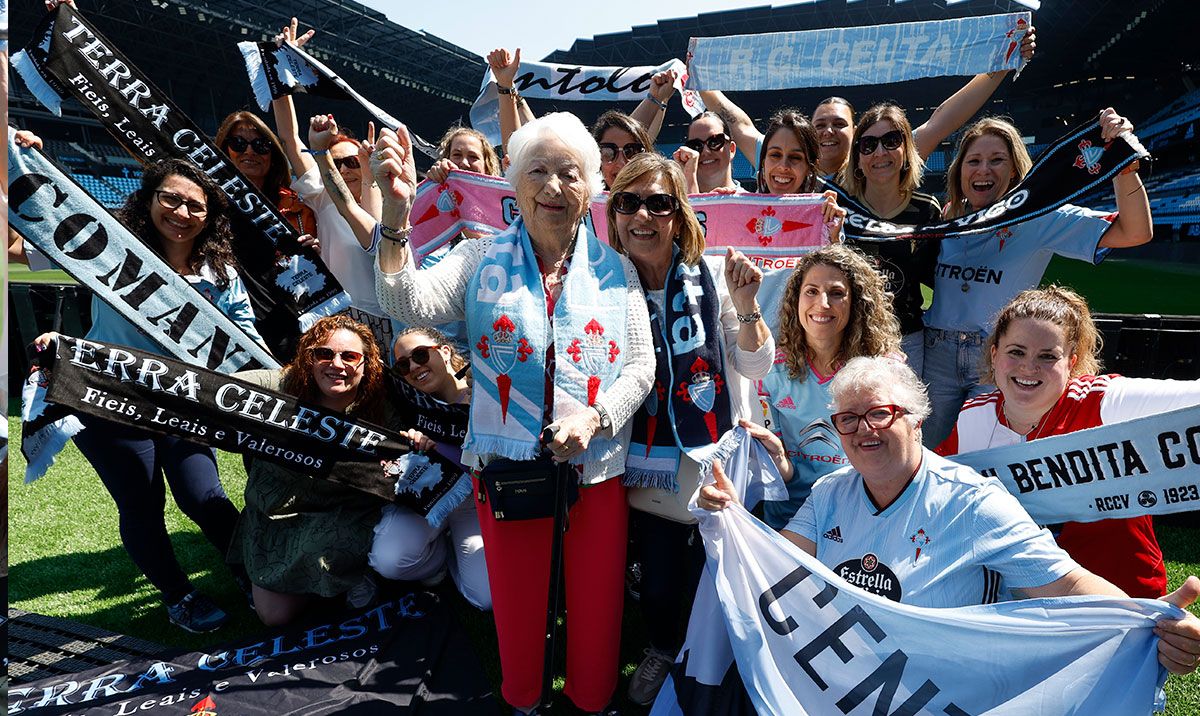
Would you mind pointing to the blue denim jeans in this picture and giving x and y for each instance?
(952, 363)
(913, 345)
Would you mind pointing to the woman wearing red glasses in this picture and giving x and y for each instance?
(180, 213)
(301, 538)
(883, 175)
(434, 395)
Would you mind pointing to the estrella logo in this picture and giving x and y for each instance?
(205, 707)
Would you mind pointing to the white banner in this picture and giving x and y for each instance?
(1147, 466)
(544, 80)
(807, 642)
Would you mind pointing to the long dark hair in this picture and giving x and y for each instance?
(298, 375)
(212, 245)
(278, 175)
(794, 121)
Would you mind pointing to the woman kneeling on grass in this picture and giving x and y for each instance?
(299, 537)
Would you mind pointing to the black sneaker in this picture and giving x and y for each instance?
(650, 675)
(196, 613)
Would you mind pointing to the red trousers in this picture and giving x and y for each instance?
(518, 564)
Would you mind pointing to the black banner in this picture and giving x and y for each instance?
(1068, 170)
(68, 57)
(165, 396)
(406, 656)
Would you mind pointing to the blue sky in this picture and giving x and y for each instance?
(538, 27)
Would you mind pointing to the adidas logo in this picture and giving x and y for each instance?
(787, 402)
(834, 534)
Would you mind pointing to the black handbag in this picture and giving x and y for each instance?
(525, 489)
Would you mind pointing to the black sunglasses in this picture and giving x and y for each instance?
(324, 354)
(262, 145)
(418, 356)
(168, 200)
(608, 151)
(715, 143)
(350, 161)
(891, 140)
(626, 202)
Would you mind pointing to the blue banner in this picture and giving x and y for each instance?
(844, 56)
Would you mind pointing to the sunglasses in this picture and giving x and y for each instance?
(169, 200)
(418, 356)
(608, 151)
(891, 140)
(262, 145)
(879, 417)
(350, 161)
(324, 354)
(626, 202)
(715, 143)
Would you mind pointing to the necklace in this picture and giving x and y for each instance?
(1033, 433)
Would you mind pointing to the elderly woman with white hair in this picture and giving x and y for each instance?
(911, 526)
(545, 285)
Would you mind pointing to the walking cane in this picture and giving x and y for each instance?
(553, 597)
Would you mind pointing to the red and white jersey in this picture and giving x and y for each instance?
(1124, 551)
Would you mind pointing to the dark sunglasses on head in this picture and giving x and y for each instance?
(715, 143)
(891, 140)
(418, 356)
(262, 145)
(608, 151)
(350, 161)
(324, 354)
(626, 202)
(172, 201)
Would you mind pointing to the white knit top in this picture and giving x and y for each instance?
(438, 294)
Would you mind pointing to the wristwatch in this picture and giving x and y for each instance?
(605, 421)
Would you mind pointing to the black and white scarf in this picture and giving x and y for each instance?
(1072, 167)
(168, 397)
(688, 409)
(68, 57)
(287, 69)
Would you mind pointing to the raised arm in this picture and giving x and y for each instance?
(322, 129)
(284, 109)
(740, 125)
(433, 295)
(963, 104)
(370, 198)
(1133, 225)
(653, 109)
(504, 66)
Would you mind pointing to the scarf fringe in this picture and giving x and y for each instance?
(45, 444)
(35, 83)
(724, 449)
(495, 445)
(258, 78)
(660, 479)
(449, 502)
